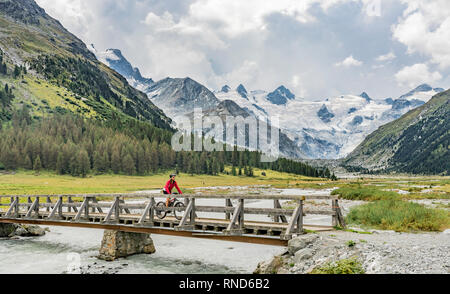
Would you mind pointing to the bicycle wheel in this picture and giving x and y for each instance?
(178, 214)
(159, 213)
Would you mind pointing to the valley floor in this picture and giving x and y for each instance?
(380, 251)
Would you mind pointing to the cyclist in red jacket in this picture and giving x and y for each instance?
(168, 188)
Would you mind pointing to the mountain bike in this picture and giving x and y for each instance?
(161, 214)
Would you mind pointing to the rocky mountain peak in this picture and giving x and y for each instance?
(226, 89)
(115, 59)
(324, 114)
(242, 91)
(280, 96)
(365, 96)
(26, 11)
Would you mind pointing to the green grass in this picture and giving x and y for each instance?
(364, 193)
(351, 243)
(352, 231)
(400, 216)
(49, 183)
(348, 266)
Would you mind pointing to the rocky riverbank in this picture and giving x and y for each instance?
(16, 231)
(380, 252)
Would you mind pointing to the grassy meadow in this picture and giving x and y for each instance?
(387, 208)
(48, 183)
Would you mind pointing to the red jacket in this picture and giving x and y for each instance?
(169, 186)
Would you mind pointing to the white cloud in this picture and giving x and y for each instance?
(387, 57)
(236, 17)
(349, 62)
(425, 29)
(417, 74)
(261, 44)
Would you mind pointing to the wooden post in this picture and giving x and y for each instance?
(56, 208)
(93, 207)
(16, 209)
(33, 207)
(193, 214)
(125, 209)
(241, 214)
(83, 206)
(86, 208)
(300, 217)
(189, 213)
(48, 201)
(100, 210)
(340, 217)
(12, 207)
(293, 223)
(277, 218)
(111, 210)
(228, 203)
(36, 209)
(70, 201)
(335, 220)
(148, 210)
(117, 210)
(151, 214)
(60, 206)
(238, 218)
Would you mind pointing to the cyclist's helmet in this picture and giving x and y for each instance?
(172, 175)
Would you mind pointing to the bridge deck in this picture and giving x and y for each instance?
(133, 217)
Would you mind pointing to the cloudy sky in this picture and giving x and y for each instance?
(317, 48)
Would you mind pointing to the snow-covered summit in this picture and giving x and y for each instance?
(115, 60)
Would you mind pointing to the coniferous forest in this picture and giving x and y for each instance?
(70, 144)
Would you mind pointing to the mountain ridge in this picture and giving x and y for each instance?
(60, 72)
(418, 142)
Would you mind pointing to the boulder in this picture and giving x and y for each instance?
(305, 253)
(117, 244)
(19, 232)
(7, 229)
(15, 230)
(28, 231)
(35, 230)
(301, 242)
(271, 267)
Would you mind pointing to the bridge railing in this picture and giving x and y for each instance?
(120, 208)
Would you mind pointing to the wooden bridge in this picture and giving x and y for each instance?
(138, 213)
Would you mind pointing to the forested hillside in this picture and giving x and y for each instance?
(70, 144)
(418, 142)
(50, 70)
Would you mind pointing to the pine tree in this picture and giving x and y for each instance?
(27, 164)
(246, 171)
(116, 165)
(233, 171)
(84, 164)
(128, 165)
(60, 169)
(37, 166)
(334, 178)
(141, 163)
(16, 72)
(98, 164)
